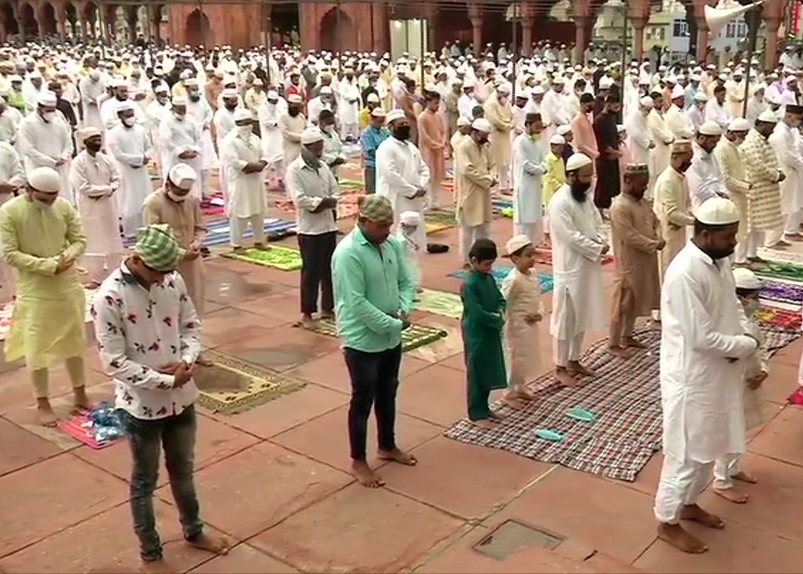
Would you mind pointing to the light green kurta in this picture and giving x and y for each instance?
(48, 321)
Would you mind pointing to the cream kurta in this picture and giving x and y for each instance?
(764, 198)
(523, 295)
(671, 205)
(245, 192)
(501, 117)
(48, 321)
(177, 137)
(731, 165)
(473, 166)
(784, 140)
(130, 148)
(43, 144)
(661, 136)
(187, 221)
(291, 128)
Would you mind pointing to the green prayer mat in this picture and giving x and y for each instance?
(440, 303)
(442, 218)
(282, 258)
(413, 337)
(351, 184)
(787, 271)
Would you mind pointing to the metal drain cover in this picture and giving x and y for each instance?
(512, 536)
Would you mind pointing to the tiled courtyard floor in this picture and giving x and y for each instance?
(274, 479)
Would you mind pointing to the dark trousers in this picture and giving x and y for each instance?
(374, 382)
(369, 174)
(176, 435)
(316, 271)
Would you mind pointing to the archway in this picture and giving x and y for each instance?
(284, 19)
(120, 25)
(337, 32)
(453, 25)
(197, 29)
(89, 23)
(72, 28)
(7, 15)
(48, 19)
(30, 29)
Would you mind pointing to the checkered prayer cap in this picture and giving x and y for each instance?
(376, 208)
(634, 168)
(158, 247)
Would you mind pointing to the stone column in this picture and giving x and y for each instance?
(527, 35)
(771, 31)
(639, 23)
(475, 15)
(702, 42)
(580, 38)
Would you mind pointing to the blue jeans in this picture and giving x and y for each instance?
(176, 435)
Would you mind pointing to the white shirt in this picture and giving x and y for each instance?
(714, 112)
(704, 178)
(307, 187)
(245, 191)
(139, 330)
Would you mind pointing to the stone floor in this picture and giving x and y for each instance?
(274, 479)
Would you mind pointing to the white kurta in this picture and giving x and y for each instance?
(784, 141)
(42, 144)
(638, 137)
(577, 242)
(703, 328)
(202, 113)
(179, 136)
(529, 165)
(271, 139)
(130, 148)
(90, 92)
(400, 173)
(109, 109)
(705, 178)
(245, 192)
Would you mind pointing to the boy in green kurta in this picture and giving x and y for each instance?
(481, 325)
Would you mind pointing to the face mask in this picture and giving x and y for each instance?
(179, 117)
(750, 307)
(41, 205)
(128, 122)
(195, 97)
(175, 197)
(401, 133)
(244, 130)
(48, 116)
(93, 147)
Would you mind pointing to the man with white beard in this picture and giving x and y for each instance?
(200, 110)
(129, 146)
(639, 137)
(348, 110)
(271, 135)
(578, 249)
(784, 140)
(677, 121)
(180, 142)
(91, 87)
(401, 173)
(45, 140)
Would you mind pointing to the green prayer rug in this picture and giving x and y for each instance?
(350, 185)
(413, 337)
(788, 271)
(440, 303)
(442, 218)
(282, 258)
(231, 386)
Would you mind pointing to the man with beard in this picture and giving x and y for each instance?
(291, 124)
(729, 158)
(703, 337)
(637, 240)
(578, 248)
(607, 164)
(705, 176)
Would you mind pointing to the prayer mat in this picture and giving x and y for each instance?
(544, 257)
(624, 396)
(440, 303)
(350, 185)
(776, 270)
(441, 218)
(231, 386)
(79, 427)
(433, 227)
(7, 310)
(780, 256)
(503, 207)
(218, 232)
(781, 292)
(282, 258)
(781, 318)
(214, 205)
(776, 338)
(545, 280)
(413, 337)
(346, 208)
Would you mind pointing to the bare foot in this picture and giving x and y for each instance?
(365, 475)
(580, 369)
(397, 455)
(484, 424)
(327, 315)
(694, 513)
(634, 343)
(157, 567)
(743, 476)
(564, 378)
(45, 414)
(620, 352)
(81, 401)
(675, 535)
(496, 417)
(237, 249)
(262, 246)
(212, 544)
(308, 322)
(514, 402)
(732, 494)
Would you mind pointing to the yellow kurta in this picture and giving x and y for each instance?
(501, 118)
(48, 321)
(733, 172)
(473, 168)
(671, 205)
(554, 178)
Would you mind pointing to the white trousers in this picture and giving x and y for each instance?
(567, 350)
(504, 177)
(434, 195)
(351, 129)
(131, 224)
(468, 235)
(724, 469)
(98, 267)
(205, 183)
(792, 226)
(533, 231)
(771, 238)
(238, 225)
(681, 483)
(749, 247)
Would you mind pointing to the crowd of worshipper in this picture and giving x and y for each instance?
(107, 155)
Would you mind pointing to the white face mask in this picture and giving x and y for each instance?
(175, 197)
(48, 116)
(179, 117)
(243, 130)
(129, 121)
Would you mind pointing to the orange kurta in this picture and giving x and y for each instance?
(432, 144)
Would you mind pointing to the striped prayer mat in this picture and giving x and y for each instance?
(777, 270)
(278, 257)
(780, 256)
(440, 303)
(219, 234)
(413, 337)
(781, 318)
(782, 292)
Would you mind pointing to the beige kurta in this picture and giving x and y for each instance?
(671, 206)
(523, 295)
(764, 198)
(432, 143)
(187, 221)
(473, 167)
(731, 164)
(501, 117)
(636, 234)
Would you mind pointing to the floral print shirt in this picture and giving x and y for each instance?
(139, 330)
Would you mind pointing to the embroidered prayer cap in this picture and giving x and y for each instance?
(229, 93)
(710, 128)
(768, 116)
(482, 125)
(637, 168)
(295, 99)
(180, 101)
(680, 146)
(311, 135)
(410, 218)
(678, 92)
(44, 179)
(516, 243)
(158, 247)
(376, 208)
(563, 129)
(717, 211)
(739, 125)
(160, 89)
(700, 97)
(47, 98)
(182, 176)
(557, 139)
(576, 161)
(242, 114)
(89, 132)
(372, 98)
(746, 279)
(394, 115)
(463, 121)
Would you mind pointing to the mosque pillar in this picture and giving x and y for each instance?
(702, 41)
(61, 19)
(772, 24)
(527, 35)
(639, 23)
(475, 15)
(580, 38)
(3, 30)
(131, 20)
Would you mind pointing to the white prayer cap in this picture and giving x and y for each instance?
(182, 176)
(410, 218)
(88, 132)
(561, 81)
(311, 135)
(455, 81)
(620, 128)
(47, 98)
(678, 92)
(504, 89)
(160, 89)
(605, 82)
(646, 102)
(517, 242)
(482, 125)
(576, 161)
(717, 211)
(229, 93)
(790, 79)
(463, 121)
(273, 95)
(524, 93)
(295, 99)
(671, 80)
(739, 125)
(125, 106)
(768, 116)
(564, 129)
(44, 179)
(326, 90)
(190, 83)
(469, 83)
(241, 114)
(746, 279)
(710, 128)
(394, 115)
(539, 89)
(180, 101)
(378, 112)
(557, 140)
(700, 97)
(372, 98)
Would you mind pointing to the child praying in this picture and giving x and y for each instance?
(481, 325)
(409, 221)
